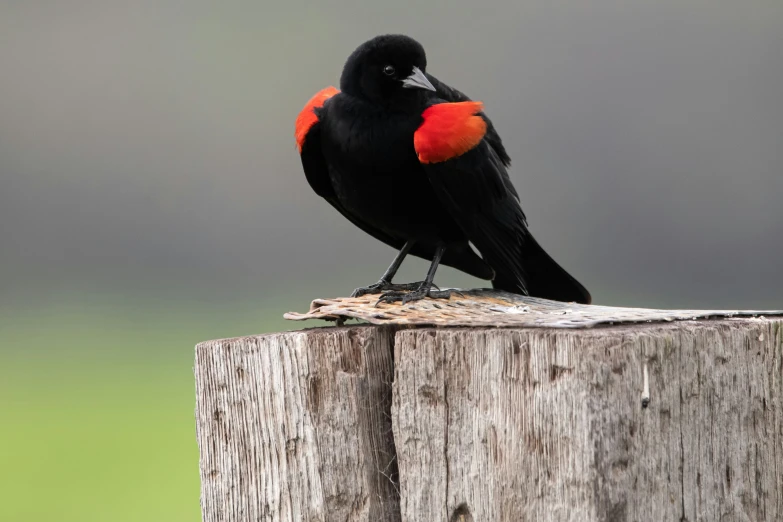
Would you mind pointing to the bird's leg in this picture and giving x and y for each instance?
(424, 288)
(386, 279)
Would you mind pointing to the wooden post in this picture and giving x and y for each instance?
(645, 422)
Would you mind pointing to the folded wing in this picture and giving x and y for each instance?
(470, 179)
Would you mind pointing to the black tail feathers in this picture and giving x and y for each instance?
(543, 278)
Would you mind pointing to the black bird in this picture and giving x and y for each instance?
(419, 166)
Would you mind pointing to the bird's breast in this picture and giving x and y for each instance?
(376, 175)
(375, 141)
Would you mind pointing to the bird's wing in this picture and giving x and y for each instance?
(471, 181)
(450, 94)
(308, 141)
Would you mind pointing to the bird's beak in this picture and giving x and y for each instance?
(417, 80)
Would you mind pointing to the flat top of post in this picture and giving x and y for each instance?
(485, 307)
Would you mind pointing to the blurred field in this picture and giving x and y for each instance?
(97, 404)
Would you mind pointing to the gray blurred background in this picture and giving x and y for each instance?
(151, 195)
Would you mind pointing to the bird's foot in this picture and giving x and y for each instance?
(385, 286)
(415, 295)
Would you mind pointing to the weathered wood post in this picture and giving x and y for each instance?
(557, 416)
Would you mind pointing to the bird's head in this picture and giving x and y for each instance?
(388, 69)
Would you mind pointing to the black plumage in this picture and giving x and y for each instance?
(359, 154)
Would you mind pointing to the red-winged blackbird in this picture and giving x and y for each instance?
(419, 166)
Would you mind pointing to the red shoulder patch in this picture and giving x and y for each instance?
(449, 130)
(307, 117)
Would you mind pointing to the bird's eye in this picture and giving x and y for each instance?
(389, 70)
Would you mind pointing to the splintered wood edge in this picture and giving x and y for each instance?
(483, 307)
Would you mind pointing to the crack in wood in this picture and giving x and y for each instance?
(348, 424)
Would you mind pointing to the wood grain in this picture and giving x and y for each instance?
(295, 427)
(376, 423)
(485, 307)
(549, 425)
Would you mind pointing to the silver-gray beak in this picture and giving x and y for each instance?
(417, 80)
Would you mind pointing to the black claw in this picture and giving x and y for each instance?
(415, 295)
(384, 286)
(391, 297)
(378, 287)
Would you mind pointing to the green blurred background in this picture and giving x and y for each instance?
(151, 196)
